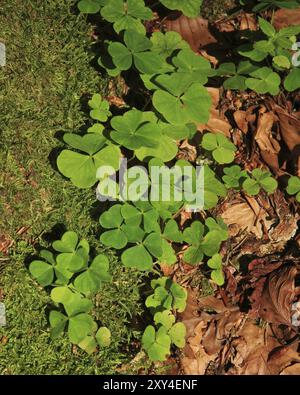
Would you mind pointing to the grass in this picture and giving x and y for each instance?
(43, 87)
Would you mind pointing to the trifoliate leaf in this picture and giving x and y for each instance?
(222, 149)
(264, 80)
(157, 344)
(137, 257)
(90, 281)
(100, 108)
(126, 14)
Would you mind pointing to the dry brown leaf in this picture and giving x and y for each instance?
(248, 22)
(246, 214)
(5, 244)
(193, 30)
(283, 357)
(251, 350)
(242, 119)
(292, 370)
(289, 127)
(284, 18)
(269, 146)
(187, 152)
(217, 123)
(278, 295)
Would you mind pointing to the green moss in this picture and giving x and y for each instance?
(43, 88)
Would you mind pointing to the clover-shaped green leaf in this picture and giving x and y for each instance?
(294, 187)
(79, 326)
(88, 344)
(164, 318)
(167, 295)
(223, 150)
(236, 75)
(136, 129)
(43, 271)
(126, 14)
(193, 236)
(262, 179)
(166, 43)
(179, 101)
(176, 331)
(202, 243)
(166, 150)
(137, 51)
(217, 274)
(189, 8)
(124, 223)
(140, 256)
(192, 67)
(264, 80)
(73, 302)
(91, 279)
(157, 344)
(82, 168)
(113, 220)
(99, 108)
(233, 176)
(73, 254)
(91, 6)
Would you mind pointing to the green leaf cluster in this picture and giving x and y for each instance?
(74, 281)
(94, 151)
(223, 150)
(204, 240)
(157, 343)
(260, 179)
(167, 295)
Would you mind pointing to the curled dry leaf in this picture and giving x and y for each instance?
(278, 295)
(187, 152)
(268, 145)
(243, 118)
(217, 123)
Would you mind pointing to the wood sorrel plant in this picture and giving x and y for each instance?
(147, 234)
